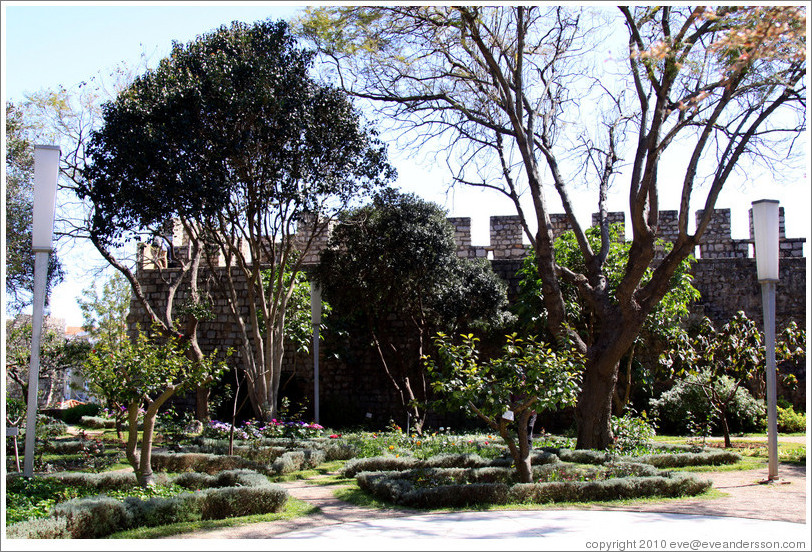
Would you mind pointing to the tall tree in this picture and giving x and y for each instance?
(525, 101)
(392, 270)
(21, 134)
(663, 325)
(230, 136)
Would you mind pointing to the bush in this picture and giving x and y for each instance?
(91, 518)
(100, 516)
(386, 463)
(408, 488)
(96, 422)
(207, 463)
(685, 405)
(62, 447)
(73, 415)
(790, 421)
(163, 511)
(243, 501)
(48, 427)
(231, 478)
(632, 432)
(685, 456)
(683, 459)
(104, 481)
(40, 528)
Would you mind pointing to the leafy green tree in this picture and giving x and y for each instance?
(663, 324)
(231, 136)
(142, 375)
(392, 268)
(21, 134)
(105, 313)
(504, 391)
(527, 101)
(105, 321)
(57, 354)
(735, 351)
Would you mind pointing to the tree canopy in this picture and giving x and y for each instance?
(231, 135)
(21, 133)
(395, 259)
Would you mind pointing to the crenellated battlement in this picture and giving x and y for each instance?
(507, 239)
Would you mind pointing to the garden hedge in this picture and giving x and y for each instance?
(400, 488)
(675, 456)
(99, 516)
(392, 463)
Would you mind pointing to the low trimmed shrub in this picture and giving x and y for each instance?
(156, 511)
(95, 422)
(406, 488)
(105, 481)
(99, 516)
(91, 518)
(683, 459)
(670, 485)
(62, 447)
(242, 501)
(231, 478)
(207, 463)
(685, 456)
(40, 528)
(389, 463)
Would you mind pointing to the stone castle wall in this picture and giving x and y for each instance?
(356, 390)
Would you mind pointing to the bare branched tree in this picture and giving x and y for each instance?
(523, 100)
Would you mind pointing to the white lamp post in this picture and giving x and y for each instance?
(315, 320)
(765, 233)
(46, 171)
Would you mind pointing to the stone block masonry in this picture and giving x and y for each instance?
(724, 274)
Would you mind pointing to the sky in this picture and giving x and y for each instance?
(48, 44)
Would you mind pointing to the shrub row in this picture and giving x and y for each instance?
(199, 462)
(105, 481)
(392, 463)
(95, 422)
(691, 456)
(230, 478)
(296, 460)
(62, 447)
(399, 487)
(100, 516)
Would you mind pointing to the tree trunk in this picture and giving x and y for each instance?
(145, 475)
(202, 404)
(725, 428)
(520, 451)
(593, 413)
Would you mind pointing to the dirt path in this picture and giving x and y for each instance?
(331, 511)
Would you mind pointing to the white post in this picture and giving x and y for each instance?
(765, 234)
(46, 171)
(315, 320)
